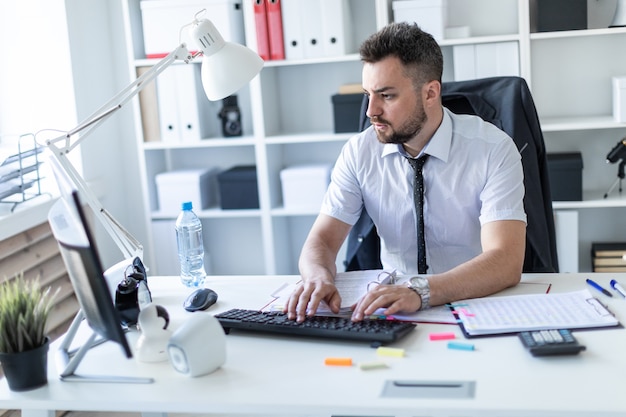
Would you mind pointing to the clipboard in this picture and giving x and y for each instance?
(507, 315)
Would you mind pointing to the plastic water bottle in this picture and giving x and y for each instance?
(190, 247)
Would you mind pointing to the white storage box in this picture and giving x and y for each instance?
(492, 59)
(196, 185)
(304, 186)
(163, 20)
(619, 99)
(430, 15)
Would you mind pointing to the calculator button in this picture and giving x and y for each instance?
(547, 336)
(556, 336)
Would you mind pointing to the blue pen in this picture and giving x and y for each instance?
(599, 288)
(617, 287)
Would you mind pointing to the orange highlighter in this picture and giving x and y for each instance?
(338, 361)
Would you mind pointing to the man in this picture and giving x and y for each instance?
(472, 195)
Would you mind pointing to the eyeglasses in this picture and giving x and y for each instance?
(383, 278)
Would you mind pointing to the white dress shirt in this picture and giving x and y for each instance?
(473, 176)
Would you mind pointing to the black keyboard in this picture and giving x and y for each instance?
(369, 330)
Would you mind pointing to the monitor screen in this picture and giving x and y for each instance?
(69, 226)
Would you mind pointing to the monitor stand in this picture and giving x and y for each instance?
(68, 360)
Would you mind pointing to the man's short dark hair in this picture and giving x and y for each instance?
(417, 50)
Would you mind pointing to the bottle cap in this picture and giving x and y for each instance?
(187, 205)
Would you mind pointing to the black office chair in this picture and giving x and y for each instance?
(507, 103)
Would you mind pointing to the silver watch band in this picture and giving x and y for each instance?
(422, 287)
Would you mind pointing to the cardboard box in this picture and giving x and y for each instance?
(239, 188)
(304, 186)
(163, 20)
(619, 99)
(565, 172)
(176, 187)
(608, 256)
(430, 15)
(347, 112)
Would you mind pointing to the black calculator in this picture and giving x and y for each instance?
(551, 342)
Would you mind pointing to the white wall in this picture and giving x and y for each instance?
(61, 60)
(36, 90)
(100, 70)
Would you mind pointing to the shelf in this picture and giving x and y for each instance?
(210, 213)
(577, 33)
(559, 124)
(594, 199)
(312, 61)
(206, 143)
(283, 212)
(480, 39)
(308, 138)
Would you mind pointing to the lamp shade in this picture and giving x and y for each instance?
(226, 66)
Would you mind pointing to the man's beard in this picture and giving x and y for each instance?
(404, 133)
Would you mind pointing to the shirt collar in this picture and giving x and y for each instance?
(438, 145)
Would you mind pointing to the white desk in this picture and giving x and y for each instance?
(272, 375)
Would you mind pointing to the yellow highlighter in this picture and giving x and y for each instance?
(389, 351)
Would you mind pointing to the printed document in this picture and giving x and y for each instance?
(498, 315)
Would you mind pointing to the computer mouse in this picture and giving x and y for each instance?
(200, 299)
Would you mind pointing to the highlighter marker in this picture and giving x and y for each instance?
(367, 366)
(442, 336)
(460, 346)
(338, 361)
(388, 351)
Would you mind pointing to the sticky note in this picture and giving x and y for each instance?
(442, 336)
(338, 361)
(388, 351)
(460, 346)
(366, 366)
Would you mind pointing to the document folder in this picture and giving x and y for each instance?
(311, 22)
(514, 314)
(275, 29)
(336, 27)
(292, 29)
(262, 34)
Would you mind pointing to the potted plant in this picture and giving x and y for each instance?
(24, 310)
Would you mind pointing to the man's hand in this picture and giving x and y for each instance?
(394, 298)
(307, 296)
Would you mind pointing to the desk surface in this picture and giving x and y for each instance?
(277, 375)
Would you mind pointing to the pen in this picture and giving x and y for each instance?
(599, 287)
(617, 287)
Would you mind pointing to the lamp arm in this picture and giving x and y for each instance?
(64, 144)
(181, 53)
(125, 241)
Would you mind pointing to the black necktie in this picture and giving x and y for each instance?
(418, 197)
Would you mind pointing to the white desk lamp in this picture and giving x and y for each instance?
(226, 67)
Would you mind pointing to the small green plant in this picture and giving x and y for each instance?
(24, 310)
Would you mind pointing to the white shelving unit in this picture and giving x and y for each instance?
(287, 120)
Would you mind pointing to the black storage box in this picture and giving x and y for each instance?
(566, 176)
(555, 15)
(346, 112)
(238, 188)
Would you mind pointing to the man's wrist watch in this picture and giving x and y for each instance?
(422, 287)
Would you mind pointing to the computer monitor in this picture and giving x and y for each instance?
(78, 249)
